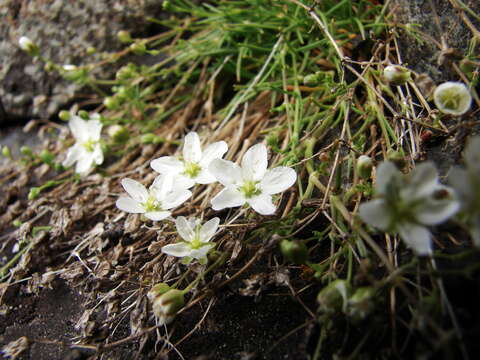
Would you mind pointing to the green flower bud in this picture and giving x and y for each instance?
(33, 193)
(126, 72)
(27, 151)
(294, 251)
(28, 46)
(6, 152)
(149, 139)
(47, 157)
(312, 79)
(396, 157)
(364, 166)
(111, 102)
(396, 75)
(158, 290)
(124, 37)
(360, 304)
(119, 134)
(452, 98)
(17, 223)
(49, 66)
(333, 297)
(84, 115)
(166, 5)
(138, 47)
(64, 115)
(166, 305)
(91, 50)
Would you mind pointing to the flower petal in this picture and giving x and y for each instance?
(207, 231)
(184, 228)
(137, 191)
(385, 172)
(255, 162)
(417, 237)
(472, 156)
(157, 215)
(201, 252)
(226, 172)
(376, 213)
(227, 198)
(437, 208)
(161, 186)
(462, 184)
(97, 154)
(205, 177)
(422, 181)
(129, 205)
(262, 204)
(79, 128)
(84, 164)
(192, 150)
(277, 180)
(180, 249)
(175, 198)
(94, 129)
(167, 165)
(73, 155)
(213, 151)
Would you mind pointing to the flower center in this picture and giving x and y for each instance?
(451, 100)
(151, 204)
(249, 189)
(89, 145)
(196, 243)
(192, 169)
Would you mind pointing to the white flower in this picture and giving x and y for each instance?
(155, 202)
(69, 67)
(193, 168)
(251, 183)
(407, 204)
(452, 98)
(196, 238)
(467, 184)
(28, 45)
(87, 150)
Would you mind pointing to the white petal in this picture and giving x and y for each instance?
(192, 151)
(129, 205)
(262, 204)
(255, 162)
(227, 198)
(226, 172)
(416, 237)
(208, 229)
(73, 155)
(157, 215)
(437, 208)
(137, 191)
(181, 182)
(460, 181)
(277, 180)
(205, 177)
(180, 249)
(213, 151)
(94, 129)
(161, 186)
(84, 164)
(79, 128)
(200, 252)
(167, 165)
(185, 228)
(375, 213)
(472, 155)
(175, 198)
(422, 181)
(97, 154)
(386, 171)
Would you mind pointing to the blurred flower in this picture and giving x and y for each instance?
(196, 238)
(28, 46)
(155, 202)
(251, 183)
(87, 150)
(193, 168)
(452, 98)
(467, 184)
(407, 204)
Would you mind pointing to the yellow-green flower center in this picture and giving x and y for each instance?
(89, 145)
(192, 169)
(151, 204)
(451, 99)
(249, 189)
(196, 243)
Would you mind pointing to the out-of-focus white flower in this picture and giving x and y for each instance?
(251, 183)
(193, 168)
(452, 98)
(396, 74)
(154, 203)
(196, 238)
(69, 67)
(87, 150)
(28, 46)
(407, 204)
(467, 184)
(166, 305)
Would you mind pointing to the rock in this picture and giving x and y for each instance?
(63, 30)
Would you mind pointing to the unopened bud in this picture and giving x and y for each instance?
(360, 304)
(311, 79)
(6, 152)
(396, 157)
(138, 47)
(124, 37)
(396, 74)
(33, 193)
(294, 251)
(28, 46)
(47, 157)
(166, 305)
(27, 151)
(84, 115)
(64, 115)
(111, 102)
(119, 134)
(148, 139)
(364, 166)
(333, 297)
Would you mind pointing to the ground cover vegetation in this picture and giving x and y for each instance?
(260, 149)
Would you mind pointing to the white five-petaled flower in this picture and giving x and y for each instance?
(196, 239)
(452, 98)
(407, 204)
(467, 184)
(87, 150)
(251, 183)
(193, 168)
(155, 203)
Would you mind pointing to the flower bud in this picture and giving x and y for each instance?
(47, 157)
(138, 47)
(27, 151)
(166, 305)
(124, 37)
(84, 115)
(333, 297)
(396, 74)
(294, 251)
(49, 66)
(91, 50)
(452, 98)
(111, 102)
(149, 139)
(396, 157)
(64, 115)
(6, 152)
(311, 79)
(360, 304)
(119, 134)
(28, 46)
(33, 193)
(364, 166)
